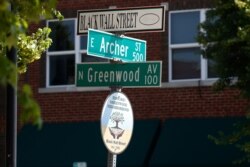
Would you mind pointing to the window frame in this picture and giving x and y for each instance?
(203, 61)
(77, 52)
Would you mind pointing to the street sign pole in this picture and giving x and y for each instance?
(111, 160)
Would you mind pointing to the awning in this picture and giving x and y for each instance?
(175, 142)
(62, 144)
(185, 143)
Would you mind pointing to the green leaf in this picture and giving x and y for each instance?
(30, 48)
(8, 72)
(31, 112)
(16, 16)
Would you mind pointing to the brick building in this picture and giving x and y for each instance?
(171, 122)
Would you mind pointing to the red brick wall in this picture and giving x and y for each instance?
(148, 103)
(162, 103)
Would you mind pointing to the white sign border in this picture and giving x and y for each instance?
(108, 97)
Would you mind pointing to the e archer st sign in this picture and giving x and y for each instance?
(122, 20)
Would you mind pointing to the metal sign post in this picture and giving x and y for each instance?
(113, 111)
(111, 160)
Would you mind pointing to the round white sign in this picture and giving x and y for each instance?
(117, 122)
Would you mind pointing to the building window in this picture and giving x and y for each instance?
(185, 60)
(67, 49)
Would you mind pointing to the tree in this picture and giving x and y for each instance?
(117, 117)
(116, 131)
(16, 16)
(226, 41)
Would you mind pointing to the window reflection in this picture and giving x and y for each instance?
(63, 35)
(87, 58)
(62, 69)
(211, 69)
(184, 27)
(186, 63)
(83, 42)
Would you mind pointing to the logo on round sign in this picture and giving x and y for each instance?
(117, 122)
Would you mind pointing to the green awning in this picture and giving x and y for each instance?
(176, 142)
(61, 144)
(184, 143)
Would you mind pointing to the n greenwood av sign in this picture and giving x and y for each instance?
(139, 74)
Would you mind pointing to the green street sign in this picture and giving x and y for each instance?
(139, 74)
(106, 45)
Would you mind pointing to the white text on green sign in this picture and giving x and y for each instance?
(111, 46)
(142, 74)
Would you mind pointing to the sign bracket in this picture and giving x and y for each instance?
(120, 33)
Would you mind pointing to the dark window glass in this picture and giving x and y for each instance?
(184, 27)
(62, 69)
(87, 58)
(186, 63)
(83, 42)
(211, 69)
(63, 35)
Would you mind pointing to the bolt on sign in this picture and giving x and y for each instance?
(134, 74)
(139, 19)
(117, 122)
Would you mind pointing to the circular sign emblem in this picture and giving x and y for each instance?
(117, 122)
